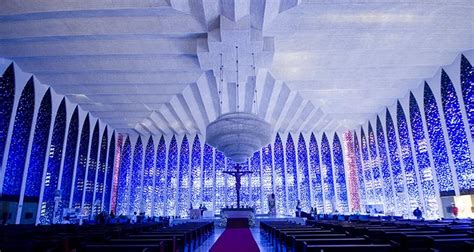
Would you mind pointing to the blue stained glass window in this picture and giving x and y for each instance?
(231, 198)
(34, 176)
(279, 179)
(7, 98)
(54, 164)
(369, 187)
(255, 183)
(109, 174)
(101, 169)
(424, 167)
(407, 157)
(315, 173)
(81, 165)
(342, 204)
(196, 172)
(467, 89)
(438, 145)
(377, 182)
(184, 188)
(267, 176)
(148, 175)
(303, 175)
(220, 198)
(360, 173)
(397, 173)
(172, 179)
(328, 180)
(208, 177)
(124, 178)
(457, 136)
(291, 176)
(160, 178)
(389, 204)
(136, 177)
(70, 157)
(91, 170)
(19, 142)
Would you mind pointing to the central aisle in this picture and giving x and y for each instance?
(235, 239)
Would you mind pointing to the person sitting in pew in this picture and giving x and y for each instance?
(418, 214)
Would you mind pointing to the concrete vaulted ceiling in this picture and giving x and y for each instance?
(152, 66)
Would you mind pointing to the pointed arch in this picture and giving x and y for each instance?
(315, 174)
(91, 171)
(109, 174)
(280, 177)
(101, 170)
(255, 190)
(160, 178)
(369, 183)
(136, 177)
(267, 180)
(303, 174)
(148, 175)
(7, 98)
(219, 163)
(467, 90)
(424, 167)
(377, 178)
(208, 190)
(389, 203)
(54, 165)
(457, 135)
(69, 158)
(184, 189)
(291, 175)
(340, 181)
(19, 143)
(124, 178)
(328, 180)
(172, 178)
(360, 173)
(196, 172)
(38, 150)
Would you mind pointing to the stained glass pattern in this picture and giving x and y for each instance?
(101, 169)
(91, 171)
(467, 90)
(423, 160)
(184, 189)
(123, 195)
(349, 155)
(20, 137)
(457, 136)
(7, 98)
(172, 179)
(280, 177)
(70, 157)
(374, 164)
(340, 180)
(266, 176)
(81, 165)
(328, 180)
(369, 187)
(397, 173)
(438, 144)
(292, 185)
(148, 176)
(303, 175)
(34, 176)
(389, 203)
(109, 174)
(160, 178)
(115, 177)
(255, 183)
(196, 172)
(208, 177)
(136, 178)
(54, 164)
(315, 174)
(360, 174)
(220, 198)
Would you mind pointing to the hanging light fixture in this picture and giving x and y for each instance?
(238, 134)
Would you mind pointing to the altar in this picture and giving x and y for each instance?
(237, 212)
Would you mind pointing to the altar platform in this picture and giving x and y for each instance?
(258, 218)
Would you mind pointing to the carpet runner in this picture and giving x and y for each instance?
(235, 239)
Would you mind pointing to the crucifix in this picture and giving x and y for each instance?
(237, 174)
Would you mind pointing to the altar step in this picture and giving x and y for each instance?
(237, 223)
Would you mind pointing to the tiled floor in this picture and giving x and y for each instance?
(263, 244)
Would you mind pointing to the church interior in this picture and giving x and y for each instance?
(236, 125)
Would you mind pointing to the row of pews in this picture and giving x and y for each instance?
(148, 237)
(333, 235)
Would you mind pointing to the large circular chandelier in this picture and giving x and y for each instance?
(238, 135)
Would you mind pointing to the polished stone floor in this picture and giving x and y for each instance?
(263, 244)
